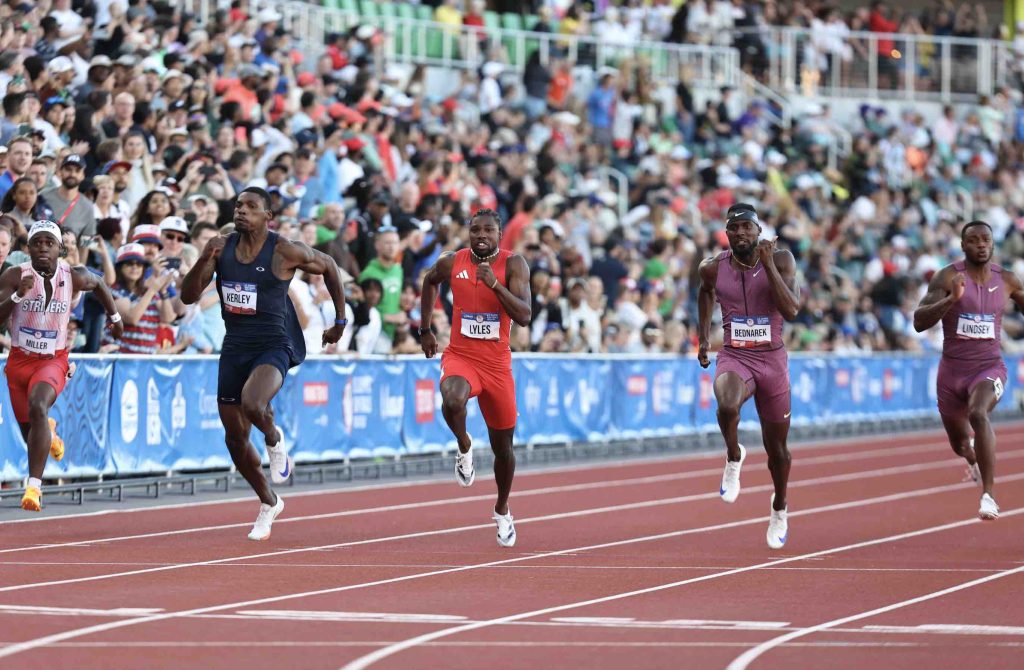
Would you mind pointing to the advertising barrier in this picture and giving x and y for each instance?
(134, 414)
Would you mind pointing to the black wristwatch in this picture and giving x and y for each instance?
(423, 331)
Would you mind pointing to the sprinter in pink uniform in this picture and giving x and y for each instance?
(755, 285)
(968, 297)
(38, 296)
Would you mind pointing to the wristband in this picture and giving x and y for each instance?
(15, 298)
(114, 318)
(495, 284)
(423, 331)
(341, 322)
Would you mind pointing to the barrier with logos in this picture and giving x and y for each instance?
(127, 414)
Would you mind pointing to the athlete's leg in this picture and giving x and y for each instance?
(980, 403)
(237, 428)
(775, 434)
(454, 396)
(40, 399)
(263, 384)
(958, 431)
(504, 465)
(730, 392)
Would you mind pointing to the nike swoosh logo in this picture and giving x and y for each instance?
(721, 492)
(757, 273)
(286, 470)
(782, 540)
(992, 289)
(786, 415)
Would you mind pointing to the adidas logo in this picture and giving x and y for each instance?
(462, 275)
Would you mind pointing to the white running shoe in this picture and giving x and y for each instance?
(506, 529)
(464, 471)
(261, 529)
(778, 527)
(281, 463)
(989, 510)
(730, 489)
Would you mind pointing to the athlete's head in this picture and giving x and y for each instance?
(484, 232)
(742, 227)
(252, 210)
(44, 245)
(976, 242)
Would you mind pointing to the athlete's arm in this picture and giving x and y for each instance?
(9, 283)
(781, 269)
(708, 272)
(83, 280)
(299, 256)
(436, 275)
(515, 297)
(945, 288)
(201, 274)
(1014, 288)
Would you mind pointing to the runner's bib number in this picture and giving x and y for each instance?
(976, 327)
(239, 297)
(38, 341)
(751, 331)
(481, 326)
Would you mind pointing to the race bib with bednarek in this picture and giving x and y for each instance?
(239, 297)
(481, 326)
(751, 331)
(37, 341)
(976, 327)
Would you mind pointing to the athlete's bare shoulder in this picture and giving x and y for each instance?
(708, 269)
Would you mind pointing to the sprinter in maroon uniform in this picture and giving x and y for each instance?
(755, 285)
(968, 297)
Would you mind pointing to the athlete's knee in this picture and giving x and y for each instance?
(778, 454)
(454, 401)
(38, 410)
(236, 443)
(728, 411)
(253, 409)
(978, 416)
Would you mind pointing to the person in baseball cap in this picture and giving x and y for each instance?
(73, 159)
(132, 253)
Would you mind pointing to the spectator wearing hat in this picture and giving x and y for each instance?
(375, 217)
(350, 168)
(62, 72)
(100, 70)
(138, 299)
(72, 210)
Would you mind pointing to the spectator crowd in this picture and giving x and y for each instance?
(133, 126)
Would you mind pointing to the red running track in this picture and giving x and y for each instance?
(634, 565)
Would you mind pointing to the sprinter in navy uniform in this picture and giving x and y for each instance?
(254, 267)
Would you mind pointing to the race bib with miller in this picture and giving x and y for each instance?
(976, 327)
(37, 341)
(751, 331)
(481, 326)
(239, 297)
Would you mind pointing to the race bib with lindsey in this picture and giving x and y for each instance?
(976, 327)
(751, 331)
(481, 325)
(239, 297)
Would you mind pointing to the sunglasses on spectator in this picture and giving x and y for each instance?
(172, 237)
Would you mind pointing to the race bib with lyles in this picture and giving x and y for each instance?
(976, 327)
(239, 297)
(481, 326)
(37, 341)
(751, 331)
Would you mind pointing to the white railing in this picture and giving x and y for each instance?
(882, 65)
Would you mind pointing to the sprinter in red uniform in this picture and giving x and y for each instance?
(490, 289)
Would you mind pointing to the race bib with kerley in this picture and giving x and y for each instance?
(239, 297)
(976, 327)
(751, 331)
(38, 341)
(481, 326)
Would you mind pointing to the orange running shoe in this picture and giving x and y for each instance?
(30, 501)
(56, 444)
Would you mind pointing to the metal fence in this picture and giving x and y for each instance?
(876, 65)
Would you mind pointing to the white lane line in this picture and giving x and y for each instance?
(451, 644)
(1009, 427)
(742, 661)
(637, 481)
(832, 479)
(379, 655)
(70, 634)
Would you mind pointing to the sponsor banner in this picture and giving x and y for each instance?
(154, 415)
